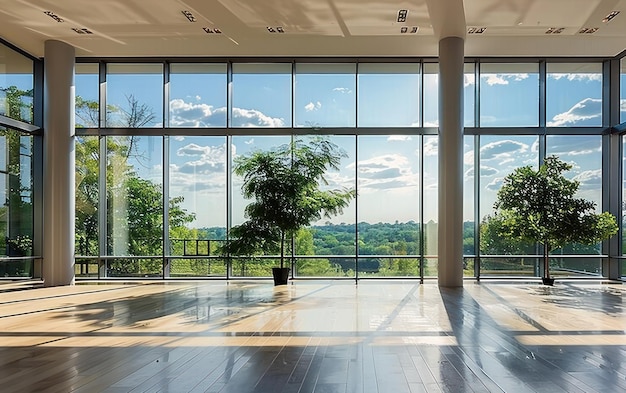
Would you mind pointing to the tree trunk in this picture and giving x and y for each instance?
(282, 249)
(546, 261)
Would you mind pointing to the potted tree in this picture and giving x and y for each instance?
(539, 206)
(285, 186)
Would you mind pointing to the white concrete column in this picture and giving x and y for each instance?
(450, 236)
(58, 156)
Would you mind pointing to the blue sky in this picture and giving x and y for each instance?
(387, 173)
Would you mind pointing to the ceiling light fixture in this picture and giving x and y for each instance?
(209, 30)
(555, 30)
(280, 29)
(277, 29)
(82, 31)
(587, 30)
(610, 16)
(414, 29)
(476, 30)
(53, 16)
(189, 16)
(404, 29)
(402, 14)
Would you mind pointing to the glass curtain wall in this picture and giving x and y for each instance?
(383, 115)
(17, 227)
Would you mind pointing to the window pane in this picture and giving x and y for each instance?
(431, 195)
(16, 212)
(16, 85)
(261, 95)
(469, 98)
(134, 95)
(499, 156)
(574, 95)
(623, 202)
(325, 95)
(134, 197)
(584, 153)
(389, 194)
(197, 188)
(622, 94)
(431, 95)
(197, 95)
(86, 82)
(509, 95)
(389, 95)
(87, 195)
(468, 196)
(246, 145)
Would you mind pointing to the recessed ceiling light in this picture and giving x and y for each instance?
(476, 30)
(610, 16)
(587, 30)
(414, 29)
(82, 31)
(402, 14)
(209, 30)
(53, 16)
(189, 16)
(277, 29)
(555, 30)
(404, 29)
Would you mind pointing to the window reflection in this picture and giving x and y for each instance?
(509, 95)
(388, 95)
(134, 95)
(499, 156)
(261, 95)
(86, 90)
(197, 95)
(325, 95)
(574, 94)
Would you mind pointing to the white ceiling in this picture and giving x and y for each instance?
(122, 28)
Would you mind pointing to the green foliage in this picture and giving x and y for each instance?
(19, 105)
(539, 206)
(285, 186)
(141, 221)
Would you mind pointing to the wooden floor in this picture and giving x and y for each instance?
(326, 336)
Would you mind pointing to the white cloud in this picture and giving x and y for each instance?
(389, 171)
(469, 80)
(398, 138)
(313, 106)
(249, 141)
(186, 114)
(193, 150)
(597, 77)
(431, 147)
(495, 184)
(343, 90)
(590, 179)
(502, 150)
(589, 108)
(254, 118)
(503, 79)
(208, 160)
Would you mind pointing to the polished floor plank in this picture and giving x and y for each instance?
(314, 336)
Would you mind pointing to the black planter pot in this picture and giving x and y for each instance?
(281, 275)
(547, 281)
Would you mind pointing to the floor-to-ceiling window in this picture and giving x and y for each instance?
(168, 135)
(17, 226)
